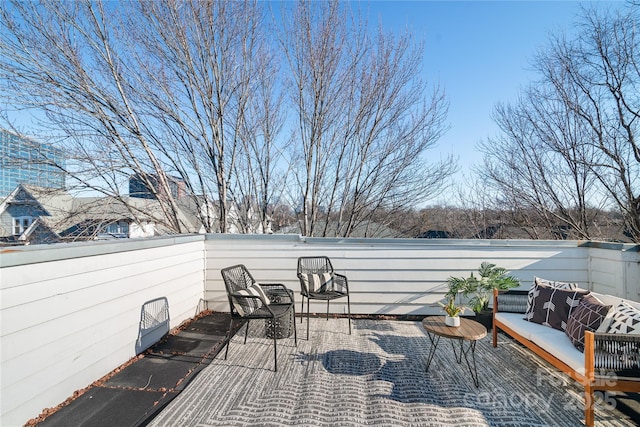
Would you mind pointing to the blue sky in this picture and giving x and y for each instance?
(480, 52)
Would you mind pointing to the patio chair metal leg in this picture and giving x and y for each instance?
(349, 312)
(226, 351)
(275, 346)
(307, 319)
(301, 310)
(246, 332)
(327, 309)
(295, 333)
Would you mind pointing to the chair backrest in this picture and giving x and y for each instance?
(314, 265)
(236, 278)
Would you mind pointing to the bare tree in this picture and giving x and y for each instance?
(191, 91)
(261, 164)
(363, 121)
(538, 164)
(212, 62)
(59, 59)
(569, 144)
(597, 78)
(156, 89)
(476, 207)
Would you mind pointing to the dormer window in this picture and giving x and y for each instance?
(21, 223)
(120, 228)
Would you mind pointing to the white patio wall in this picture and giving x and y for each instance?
(69, 313)
(615, 269)
(408, 276)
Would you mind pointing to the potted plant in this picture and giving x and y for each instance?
(479, 289)
(452, 310)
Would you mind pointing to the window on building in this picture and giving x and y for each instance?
(20, 224)
(120, 227)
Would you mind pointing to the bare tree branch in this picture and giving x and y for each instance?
(364, 120)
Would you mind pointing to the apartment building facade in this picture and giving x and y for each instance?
(25, 161)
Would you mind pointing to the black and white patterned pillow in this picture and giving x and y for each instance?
(537, 281)
(553, 306)
(256, 289)
(246, 306)
(586, 317)
(625, 320)
(555, 284)
(322, 282)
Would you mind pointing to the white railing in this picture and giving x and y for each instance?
(70, 312)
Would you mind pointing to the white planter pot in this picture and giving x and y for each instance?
(452, 321)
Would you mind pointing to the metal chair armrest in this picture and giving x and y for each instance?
(246, 296)
(340, 281)
(277, 291)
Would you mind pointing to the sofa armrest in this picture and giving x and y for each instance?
(612, 353)
(617, 352)
(511, 301)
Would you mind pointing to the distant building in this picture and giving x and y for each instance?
(37, 215)
(364, 229)
(24, 161)
(435, 234)
(138, 186)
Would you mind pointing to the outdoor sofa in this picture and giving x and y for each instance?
(551, 321)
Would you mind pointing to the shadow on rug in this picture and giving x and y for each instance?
(376, 376)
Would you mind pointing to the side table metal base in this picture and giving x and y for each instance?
(470, 348)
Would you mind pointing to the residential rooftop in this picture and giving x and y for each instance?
(74, 313)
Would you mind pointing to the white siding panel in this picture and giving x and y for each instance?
(402, 270)
(73, 294)
(606, 274)
(631, 260)
(68, 269)
(69, 321)
(124, 312)
(615, 272)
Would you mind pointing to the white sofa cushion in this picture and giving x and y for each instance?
(551, 340)
(611, 300)
(625, 320)
(520, 326)
(559, 345)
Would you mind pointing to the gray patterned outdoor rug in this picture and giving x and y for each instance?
(376, 376)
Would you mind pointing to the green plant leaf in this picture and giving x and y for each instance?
(480, 288)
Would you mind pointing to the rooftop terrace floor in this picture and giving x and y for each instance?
(376, 376)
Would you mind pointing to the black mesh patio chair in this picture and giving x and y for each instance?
(318, 281)
(249, 300)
